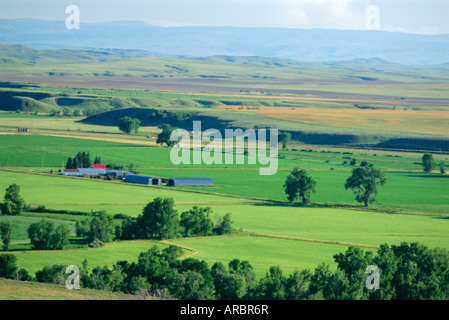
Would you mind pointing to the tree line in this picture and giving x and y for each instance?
(81, 160)
(409, 271)
(160, 220)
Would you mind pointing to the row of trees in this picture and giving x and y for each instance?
(406, 272)
(66, 112)
(364, 182)
(160, 220)
(81, 160)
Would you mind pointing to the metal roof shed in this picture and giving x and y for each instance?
(185, 182)
(138, 179)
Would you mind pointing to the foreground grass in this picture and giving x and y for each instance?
(23, 290)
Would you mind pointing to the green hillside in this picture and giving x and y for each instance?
(22, 290)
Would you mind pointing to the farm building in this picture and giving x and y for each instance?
(119, 173)
(185, 182)
(95, 170)
(154, 181)
(98, 166)
(83, 172)
(70, 172)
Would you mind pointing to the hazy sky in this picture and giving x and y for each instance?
(416, 16)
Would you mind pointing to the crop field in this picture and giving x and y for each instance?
(397, 121)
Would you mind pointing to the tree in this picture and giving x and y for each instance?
(82, 228)
(13, 204)
(299, 184)
(54, 274)
(284, 138)
(272, 287)
(44, 235)
(364, 182)
(192, 285)
(159, 220)
(101, 227)
(60, 237)
(442, 167)
(5, 232)
(196, 222)
(428, 162)
(66, 112)
(69, 164)
(164, 136)
(297, 285)
(128, 124)
(8, 266)
(224, 225)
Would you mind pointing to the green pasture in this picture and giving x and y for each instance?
(405, 191)
(108, 255)
(75, 194)
(337, 225)
(262, 252)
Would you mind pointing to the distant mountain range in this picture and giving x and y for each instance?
(314, 45)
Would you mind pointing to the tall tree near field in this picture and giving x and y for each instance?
(224, 225)
(159, 220)
(44, 236)
(5, 233)
(13, 204)
(8, 266)
(299, 184)
(128, 124)
(284, 139)
(364, 182)
(69, 164)
(197, 222)
(442, 167)
(164, 136)
(428, 162)
(101, 227)
(87, 161)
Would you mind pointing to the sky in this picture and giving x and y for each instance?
(429, 17)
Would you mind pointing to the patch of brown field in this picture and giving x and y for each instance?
(107, 139)
(410, 121)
